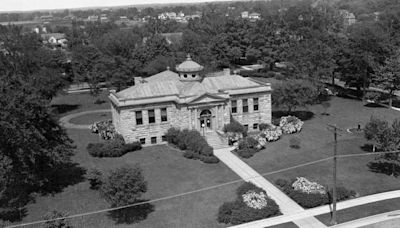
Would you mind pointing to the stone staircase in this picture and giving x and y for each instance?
(216, 140)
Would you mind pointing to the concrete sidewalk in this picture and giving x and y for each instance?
(322, 209)
(286, 204)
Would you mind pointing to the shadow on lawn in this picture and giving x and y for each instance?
(388, 168)
(132, 214)
(367, 147)
(303, 115)
(62, 176)
(63, 108)
(13, 215)
(374, 105)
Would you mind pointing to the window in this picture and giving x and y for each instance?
(255, 126)
(246, 126)
(234, 106)
(142, 141)
(164, 116)
(139, 118)
(153, 140)
(164, 138)
(185, 75)
(193, 75)
(255, 104)
(245, 106)
(152, 116)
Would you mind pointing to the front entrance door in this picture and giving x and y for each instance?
(205, 120)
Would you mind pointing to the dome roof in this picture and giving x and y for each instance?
(189, 66)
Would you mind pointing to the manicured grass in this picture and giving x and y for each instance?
(77, 102)
(91, 118)
(363, 211)
(167, 173)
(316, 143)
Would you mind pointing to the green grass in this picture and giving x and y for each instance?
(316, 143)
(167, 173)
(362, 211)
(91, 118)
(77, 102)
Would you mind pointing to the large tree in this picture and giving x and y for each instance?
(387, 76)
(32, 143)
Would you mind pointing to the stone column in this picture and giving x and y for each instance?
(190, 119)
(216, 117)
(196, 122)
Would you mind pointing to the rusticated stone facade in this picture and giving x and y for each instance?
(189, 101)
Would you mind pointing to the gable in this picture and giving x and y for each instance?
(206, 98)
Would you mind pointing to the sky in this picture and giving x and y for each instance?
(27, 5)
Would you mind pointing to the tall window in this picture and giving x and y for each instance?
(234, 106)
(245, 106)
(255, 104)
(139, 118)
(152, 116)
(164, 116)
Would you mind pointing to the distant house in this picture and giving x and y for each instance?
(46, 18)
(245, 14)
(167, 15)
(104, 18)
(56, 39)
(93, 18)
(254, 16)
(348, 18)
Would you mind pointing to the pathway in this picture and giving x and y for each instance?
(65, 119)
(286, 204)
(322, 210)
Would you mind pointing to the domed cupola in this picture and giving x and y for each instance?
(189, 70)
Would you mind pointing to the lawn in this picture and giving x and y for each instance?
(167, 173)
(316, 143)
(91, 118)
(165, 169)
(65, 104)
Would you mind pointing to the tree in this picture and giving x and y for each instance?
(124, 186)
(296, 93)
(374, 128)
(387, 76)
(32, 143)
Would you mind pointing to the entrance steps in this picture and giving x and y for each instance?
(216, 140)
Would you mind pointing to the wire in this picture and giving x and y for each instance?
(202, 189)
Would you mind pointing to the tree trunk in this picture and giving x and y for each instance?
(333, 79)
(390, 98)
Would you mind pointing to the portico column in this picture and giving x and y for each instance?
(190, 119)
(216, 117)
(195, 119)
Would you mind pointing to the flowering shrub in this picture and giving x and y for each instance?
(273, 133)
(255, 200)
(290, 124)
(252, 204)
(105, 129)
(310, 198)
(304, 185)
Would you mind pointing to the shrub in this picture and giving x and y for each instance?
(294, 143)
(310, 200)
(238, 212)
(195, 145)
(247, 147)
(290, 124)
(123, 186)
(235, 127)
(273, 133)
(60, 223)
(264, 126)
(129, 147)
(95, 178)
(112, 148)
(246, 153)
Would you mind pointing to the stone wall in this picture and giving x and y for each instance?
(263, 115)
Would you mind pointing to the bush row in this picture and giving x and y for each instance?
(238, 212)
(112, 148)
(310, 200)
(195, 146)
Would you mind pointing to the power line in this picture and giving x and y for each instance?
(199, 190)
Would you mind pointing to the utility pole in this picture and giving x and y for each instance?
(334, 193)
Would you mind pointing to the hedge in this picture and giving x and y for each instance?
(247, 147)
(237, 212)
(194, 145)
(112, 148)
